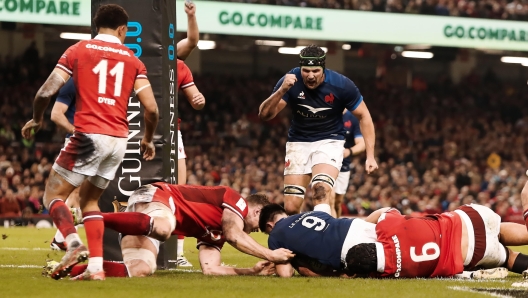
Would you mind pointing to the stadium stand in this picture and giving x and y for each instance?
(434, 143)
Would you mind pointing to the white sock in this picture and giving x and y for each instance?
(58, 236)
(179, 247)
(324, 208)
(463, 275)
(95, 264)
(71, 238)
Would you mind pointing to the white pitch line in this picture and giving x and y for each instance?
(24, 248)
(479, 292)
(21, 266)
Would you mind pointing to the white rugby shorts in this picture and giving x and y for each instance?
(181, 149)
(90, 155)
(302, 156)
(341, 184)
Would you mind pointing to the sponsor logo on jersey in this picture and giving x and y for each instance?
(241, 204)
(315, 110)
(301, 95)
(348, 124)
(287, 163)
(329, 98)
(398, 256)
(107, 49)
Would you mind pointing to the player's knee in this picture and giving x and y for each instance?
(524, 192)
(322, 182)
(161, 229)
(292, 207)
(140, 262)
(293, 198)
(138, 268)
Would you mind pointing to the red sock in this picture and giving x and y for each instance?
(94, 227)
(128, 223)
(60, 213)
(112, 269)
(181, 237)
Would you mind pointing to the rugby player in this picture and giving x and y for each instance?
(105, 73)
(64, 109)
(441, 245)
(314, 152)
(213, 215)
(354, 145)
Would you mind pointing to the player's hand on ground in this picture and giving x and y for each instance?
(30, 129)
(288, 82)
(280, 255)
(190, 8)
(371, 165)
(264, 268)
(198, 100)
(148, 149)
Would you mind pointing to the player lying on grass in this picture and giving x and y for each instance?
(441, 245)
(213, 215)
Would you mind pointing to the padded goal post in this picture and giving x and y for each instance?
(151, 35)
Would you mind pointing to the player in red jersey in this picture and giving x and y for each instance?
(197, 101)
(105, 73)
(213, 215)
(440, 245)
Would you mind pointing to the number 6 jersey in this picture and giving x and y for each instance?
(104, 72)
(420, 246)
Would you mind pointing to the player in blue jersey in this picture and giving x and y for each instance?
(354, 145)
(314, 152)
(317, 236)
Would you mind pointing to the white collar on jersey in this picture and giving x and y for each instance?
(381, 257)
(108, 38)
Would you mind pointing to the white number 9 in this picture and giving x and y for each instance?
(424, 256)
(314, 222)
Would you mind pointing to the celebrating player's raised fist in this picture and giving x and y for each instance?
(190, 8)
(289, 80)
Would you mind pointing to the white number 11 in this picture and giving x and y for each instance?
(117, 72)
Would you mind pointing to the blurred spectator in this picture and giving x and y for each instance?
(9, 206)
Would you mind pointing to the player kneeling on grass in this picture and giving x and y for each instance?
(442, 245)
(213, 215)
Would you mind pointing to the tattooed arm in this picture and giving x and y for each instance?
(233, 228)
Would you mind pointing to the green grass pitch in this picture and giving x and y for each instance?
(24, 250)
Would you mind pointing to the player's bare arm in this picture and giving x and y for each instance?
(524, 200)
(274, 104)
(52, 85)
(374, 216)
(147, 99)
(58, 117)
(233, 228)
(211, 263)
(195, 98)
(369, 135)
(187, 45)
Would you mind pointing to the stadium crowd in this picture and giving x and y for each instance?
(490, 9)
(439, 145)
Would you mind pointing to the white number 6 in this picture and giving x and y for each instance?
(314, 222)
(424, 256)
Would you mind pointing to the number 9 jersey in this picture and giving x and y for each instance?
(104, 72)
(420, 246)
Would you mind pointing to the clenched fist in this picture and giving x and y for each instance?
(288, 82)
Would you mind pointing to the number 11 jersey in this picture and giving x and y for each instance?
(104, 72)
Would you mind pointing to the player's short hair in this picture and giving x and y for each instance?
(268, 213)
(362, 259)
(312, 55)
(258, 199)
(110, 16)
